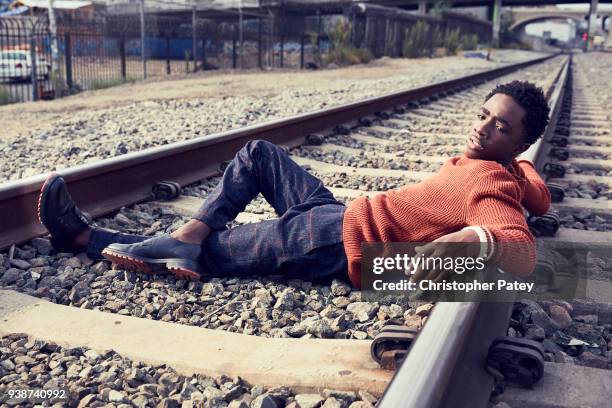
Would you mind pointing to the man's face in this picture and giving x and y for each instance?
(497, 133)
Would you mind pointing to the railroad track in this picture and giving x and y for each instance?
(356, 149)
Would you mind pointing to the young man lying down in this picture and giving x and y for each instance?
(478, 197)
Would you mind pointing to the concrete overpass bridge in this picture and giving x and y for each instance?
(495, 10)
(414, 4)
(524, 16)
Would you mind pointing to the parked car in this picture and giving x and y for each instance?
(16, 65)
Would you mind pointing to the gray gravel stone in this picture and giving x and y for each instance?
(264, 401)
(533, 312)
(361, 404)
(238, 404)
(317, 326)
(366, 396)
(363, 311)
(309, 400)
(535, 332)
(20, 264)
(42, 245)
(10, 276)
(560, 316)
(340, 288)
(346, 396)
(332, 402)
(115, 396)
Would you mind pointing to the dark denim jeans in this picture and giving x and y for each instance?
(305, 241)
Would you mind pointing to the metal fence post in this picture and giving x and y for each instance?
(282, 51)
(271, 41)
(203, 54)
(259, 64)
(302, 52)
(33, 72)
(194, 38)
(122, 57)
(68, 57)
(241, 36)
(143, 54)
(168, 55)
(55, 57)
(234, 53)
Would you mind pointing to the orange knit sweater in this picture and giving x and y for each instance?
(464, 192)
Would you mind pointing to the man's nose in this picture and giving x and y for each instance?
(481, 127)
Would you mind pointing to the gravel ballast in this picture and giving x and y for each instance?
(263, 306)
(92, 135)
(104, 379)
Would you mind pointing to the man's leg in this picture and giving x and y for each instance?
(259, 167)
(70, 230)
(293, 246)
(305, 242)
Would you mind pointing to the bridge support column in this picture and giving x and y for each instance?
(591, 25)
(497, 5)
(422, 7)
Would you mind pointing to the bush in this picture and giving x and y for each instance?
(316, 52)
(416, 40)
(437, 40)
(342, 52)
(469, 42)
(451, 41)
(364, 55)
(5, 96)
(348, 56)
(340, 34)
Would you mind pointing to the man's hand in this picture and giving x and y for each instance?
(449, 245)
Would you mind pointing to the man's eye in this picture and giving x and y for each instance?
(501, 129)
(480, 116)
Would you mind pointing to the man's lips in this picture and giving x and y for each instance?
(475, 144)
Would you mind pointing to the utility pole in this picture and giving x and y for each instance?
(142, 39)
(497, 5)
(194, 36)
(55, 75)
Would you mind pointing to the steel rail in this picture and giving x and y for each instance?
(106, 186)
(446, 364)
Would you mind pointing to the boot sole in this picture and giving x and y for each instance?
(58, 244)
(42, 196)
(180, 268)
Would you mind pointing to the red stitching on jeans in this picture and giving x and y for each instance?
(256, 250)
(229, 243)
(310, 227)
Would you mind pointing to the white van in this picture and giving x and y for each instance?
(16, 65)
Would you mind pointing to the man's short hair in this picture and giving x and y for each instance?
(532, 99)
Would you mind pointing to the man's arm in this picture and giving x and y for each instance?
(494, 205)
(537, 197)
